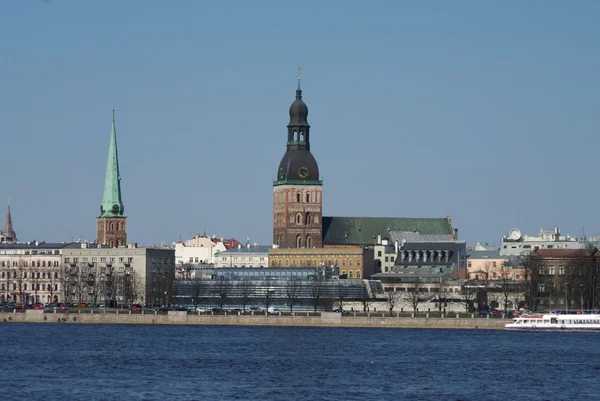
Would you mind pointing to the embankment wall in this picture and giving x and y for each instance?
(299, 320)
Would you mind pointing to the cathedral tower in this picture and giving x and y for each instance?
(112, 224)
(297, 193)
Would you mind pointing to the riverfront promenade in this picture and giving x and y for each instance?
(300, 319)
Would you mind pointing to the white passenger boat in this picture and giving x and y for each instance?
(560, 320)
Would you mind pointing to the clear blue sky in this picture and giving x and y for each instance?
(486, 111)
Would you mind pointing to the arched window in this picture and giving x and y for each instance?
(301, 136)
(316, 219)
(308, 241)
(291, 218)
(358, 274)
(43, 263)
(350, 275)
(307, 219)
(299, 197)
(299, 241)
(299, 219)
(25, 286)
(49, 287)
(39, 263)
(308, 197)
(279, 263)
(112, 226)
(308, 263)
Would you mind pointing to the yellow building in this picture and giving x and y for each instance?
(349, 260)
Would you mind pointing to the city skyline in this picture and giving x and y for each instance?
(443, 111)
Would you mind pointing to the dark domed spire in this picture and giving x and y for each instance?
(298, 164)
(298, 110)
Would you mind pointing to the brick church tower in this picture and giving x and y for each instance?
(112, 224)
(297, 193)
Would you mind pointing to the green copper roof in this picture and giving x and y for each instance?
(364, 230)
(112, 206)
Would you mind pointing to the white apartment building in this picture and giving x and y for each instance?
(516, 244)
(201, 249)
(244, 256)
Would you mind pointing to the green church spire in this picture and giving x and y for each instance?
(112, 206)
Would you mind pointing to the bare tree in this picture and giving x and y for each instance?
(93, 284)
(441, 301)
(222, 290)
(78, 276)
(6, 283)
(268, 296)
(34, 279)
(342, 295)
(317, 294)
(365, 296)
(52, 280)
(21, 279)
(533, 269)
(392, 298)
(292, 292)
(581, 276)
(507, 283)
(468, 296)
(413, 295)
(199, 291)
(129, 287)
(245, 290)
(109, 283)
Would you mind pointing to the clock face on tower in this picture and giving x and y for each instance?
(303, 172)
(115, 208)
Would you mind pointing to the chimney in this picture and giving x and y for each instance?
(396, 246)
(84, 245)
(379, 239)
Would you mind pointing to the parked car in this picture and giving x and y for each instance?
(272, 310)
(135, 308)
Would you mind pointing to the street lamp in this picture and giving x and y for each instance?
(581, 297)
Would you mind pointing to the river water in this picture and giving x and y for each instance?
(137, 362)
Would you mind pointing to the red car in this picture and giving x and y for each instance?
(38, 306)
(135, 308)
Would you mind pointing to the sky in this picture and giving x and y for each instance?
(484, 111)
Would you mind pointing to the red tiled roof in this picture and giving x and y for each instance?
(564, 253)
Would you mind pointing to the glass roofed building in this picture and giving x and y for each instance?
(242, 288)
